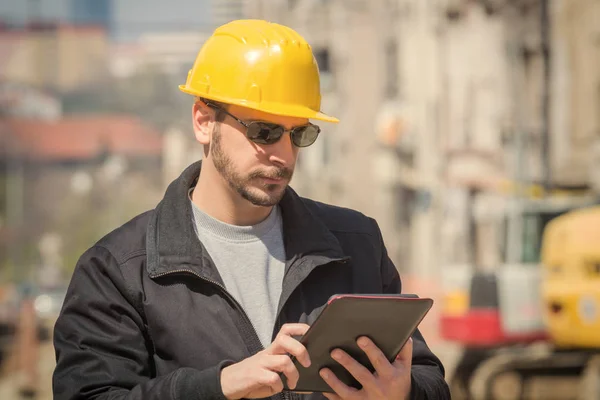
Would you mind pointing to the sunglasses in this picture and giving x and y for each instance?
(268, 133)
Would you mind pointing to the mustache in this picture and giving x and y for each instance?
(276, 173)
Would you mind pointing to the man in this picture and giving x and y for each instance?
(202, 297)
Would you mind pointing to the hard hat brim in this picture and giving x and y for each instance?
(286, 110)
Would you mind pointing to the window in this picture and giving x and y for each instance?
(391, 69)
(534, 225)
(322, 57)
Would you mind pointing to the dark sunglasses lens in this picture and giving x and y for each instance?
(305, 135)
(263, 133)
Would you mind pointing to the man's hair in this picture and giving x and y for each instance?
(219, 114)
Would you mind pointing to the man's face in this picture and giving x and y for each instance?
(259, 173)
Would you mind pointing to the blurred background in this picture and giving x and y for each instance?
(470, 129)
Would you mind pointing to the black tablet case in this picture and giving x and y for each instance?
(388, 320)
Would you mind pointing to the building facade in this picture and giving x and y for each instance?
(447, 108)
(54, 56)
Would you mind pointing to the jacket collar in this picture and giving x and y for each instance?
(172, 244)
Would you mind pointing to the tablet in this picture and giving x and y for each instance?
(388, 320)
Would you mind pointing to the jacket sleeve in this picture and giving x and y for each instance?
(102, 351)
(427, 373)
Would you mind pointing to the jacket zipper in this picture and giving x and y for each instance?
(256, 343)
(278, 323)
(286, 394)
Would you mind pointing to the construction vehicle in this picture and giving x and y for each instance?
(536, 318)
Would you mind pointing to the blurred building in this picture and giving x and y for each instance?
(125, 59)
(356, 46)
(223, 11)
(517, 129)
(54, 56)
(73, 178)
(167, 52)
(173, 51)
(125, 21)
(448, 110)
(575, 87)
(22, 101)
(92, 12)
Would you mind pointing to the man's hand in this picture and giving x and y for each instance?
(390, 380)
(258, 376)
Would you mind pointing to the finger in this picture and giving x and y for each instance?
(294, 329)
(332, 396)
(357, 370)
(341, 389)
(405, 356)
(284, 364)
(273, 381)
(284, 344)
(379, 361)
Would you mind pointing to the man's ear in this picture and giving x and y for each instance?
(202, 119)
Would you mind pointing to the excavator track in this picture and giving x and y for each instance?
(510, 374)
(590, 382)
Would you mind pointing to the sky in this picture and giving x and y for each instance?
(131, 17)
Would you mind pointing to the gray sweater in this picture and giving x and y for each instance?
(251, 262)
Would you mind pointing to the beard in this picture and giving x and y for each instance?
(264, 195)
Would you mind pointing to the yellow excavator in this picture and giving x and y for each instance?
(571, 291)
(533, 327)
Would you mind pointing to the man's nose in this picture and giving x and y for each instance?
(282, 152)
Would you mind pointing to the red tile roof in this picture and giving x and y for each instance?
(78, 138)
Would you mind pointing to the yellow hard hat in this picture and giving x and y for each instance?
(259, 65)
